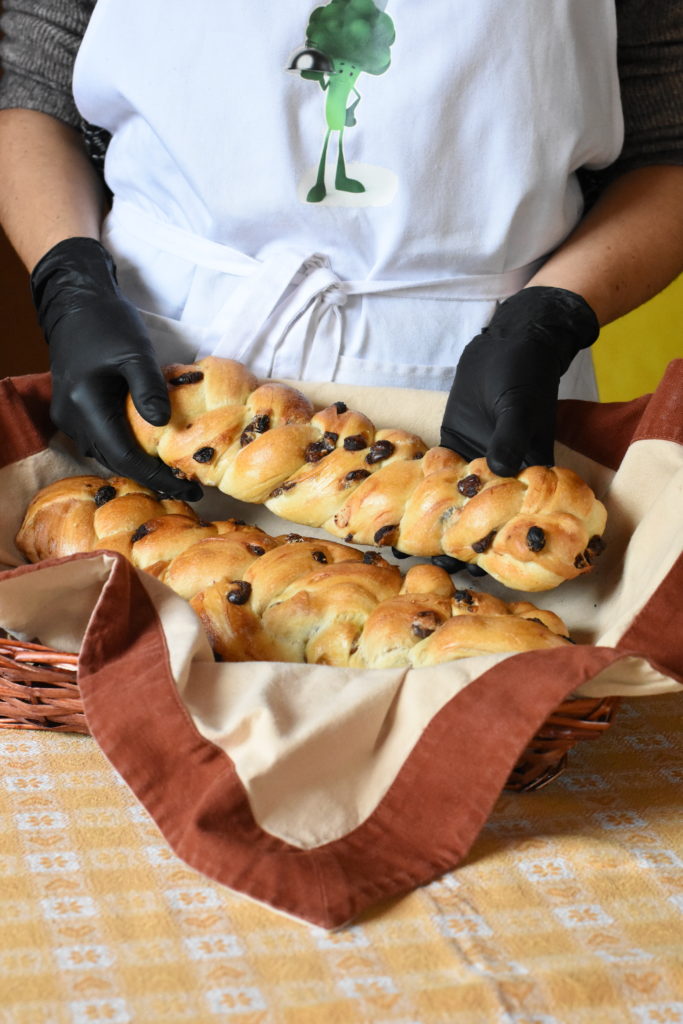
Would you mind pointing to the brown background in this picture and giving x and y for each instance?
(22, 349)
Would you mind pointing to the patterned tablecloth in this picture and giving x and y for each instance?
(569, 908)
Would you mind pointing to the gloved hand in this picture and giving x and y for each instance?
(504, 397)
(99, 350)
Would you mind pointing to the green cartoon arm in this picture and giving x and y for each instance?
(351, 111)
(316, 76)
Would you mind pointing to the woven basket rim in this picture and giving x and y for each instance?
(39, 690)
(39, 687)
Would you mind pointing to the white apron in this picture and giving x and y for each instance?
(464, 147)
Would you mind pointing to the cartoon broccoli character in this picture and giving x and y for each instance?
(343, 38)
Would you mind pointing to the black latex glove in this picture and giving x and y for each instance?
(503, 400)
(504, 397)
(99, 350)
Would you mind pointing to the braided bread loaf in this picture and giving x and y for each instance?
(330, 468)
(282, 598)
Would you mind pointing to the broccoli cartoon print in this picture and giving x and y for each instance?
(343, 39)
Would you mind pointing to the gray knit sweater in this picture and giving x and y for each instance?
(41, 38)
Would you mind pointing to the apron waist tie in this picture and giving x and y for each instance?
(290, 301)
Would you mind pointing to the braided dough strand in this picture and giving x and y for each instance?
(266, 443)
(286, 598)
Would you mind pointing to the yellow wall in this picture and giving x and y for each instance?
(631, 354)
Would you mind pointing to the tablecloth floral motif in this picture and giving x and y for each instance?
(568, 910)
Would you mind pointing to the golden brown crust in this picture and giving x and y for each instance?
(333, 469)
(287, 598)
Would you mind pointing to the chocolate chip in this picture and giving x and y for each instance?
(421, 631)
(535, 538)
(378, 451)
(592, 552)
(104, 495)
(294, 538)
(259, 425)
(356, 474)
(320, 556)
(348, 538)
(282, 488)
(355, 443)
(141, 532)
(580, 562)
(256, 549)
(192, 377)
(386, 534)
(340, 407)
(399, 554)
(204, 454)
(371, 558)
(419, 455)
(240, 593)
(470, 485)
(596, 545)
(425, 623)
(237, 522)
(316, 451)
(464, 597)
(484, 543)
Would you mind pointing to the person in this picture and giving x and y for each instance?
(506, 181)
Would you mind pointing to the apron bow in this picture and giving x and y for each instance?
(282, 315)
(288, 310)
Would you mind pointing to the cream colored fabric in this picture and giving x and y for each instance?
(318, 748)
(421, 412)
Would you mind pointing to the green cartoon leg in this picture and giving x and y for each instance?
(342, 182)
(318, 192)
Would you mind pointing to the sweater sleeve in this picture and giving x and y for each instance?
(650, 56)
(37, 52)
(650, 64)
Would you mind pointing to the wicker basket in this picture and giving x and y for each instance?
(545, 757)
(38, 690)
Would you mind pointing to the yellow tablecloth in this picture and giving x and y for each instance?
(569, 909)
